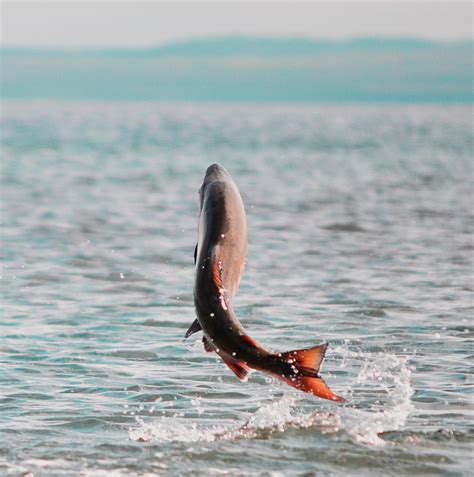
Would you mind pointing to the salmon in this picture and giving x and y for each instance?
(219, 258)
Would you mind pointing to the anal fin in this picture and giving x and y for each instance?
(194, 328)
(239, 368)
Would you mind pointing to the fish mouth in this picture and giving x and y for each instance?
(215, 172)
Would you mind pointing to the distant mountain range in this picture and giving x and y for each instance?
(246, 69)
(238, 45)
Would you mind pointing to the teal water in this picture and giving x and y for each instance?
(360, 234)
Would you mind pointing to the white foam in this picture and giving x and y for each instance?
(379, 401)
(170, 429)
(389, 375)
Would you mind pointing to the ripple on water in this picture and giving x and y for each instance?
(359, 230)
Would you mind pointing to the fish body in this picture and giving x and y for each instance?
(219, 256)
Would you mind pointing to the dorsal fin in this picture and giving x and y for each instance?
(195, 253)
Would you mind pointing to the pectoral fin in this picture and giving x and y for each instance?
(194, 328)
(207, 345)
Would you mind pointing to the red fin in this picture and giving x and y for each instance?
(217, 273)
(249, 340)
(315, 386)
(305, 364)
(217, 279)
(309, 359)
(207, 345)
(238, 367)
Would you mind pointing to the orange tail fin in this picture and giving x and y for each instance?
(315, 386)
(305, 364)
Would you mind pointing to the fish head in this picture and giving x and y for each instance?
(214, 172)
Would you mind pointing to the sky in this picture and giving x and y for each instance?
(89, 24)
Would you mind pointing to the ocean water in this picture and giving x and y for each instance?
(360, 234)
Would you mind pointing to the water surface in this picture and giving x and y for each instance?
(360, 234)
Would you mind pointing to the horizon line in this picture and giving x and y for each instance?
(206, 38)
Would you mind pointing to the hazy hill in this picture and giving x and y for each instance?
(247, 69)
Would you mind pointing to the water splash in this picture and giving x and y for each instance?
(170, 429)
(387, 377)
(380, 393)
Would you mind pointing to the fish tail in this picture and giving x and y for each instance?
(300, 370)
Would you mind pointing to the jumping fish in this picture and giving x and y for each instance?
(219, 257)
